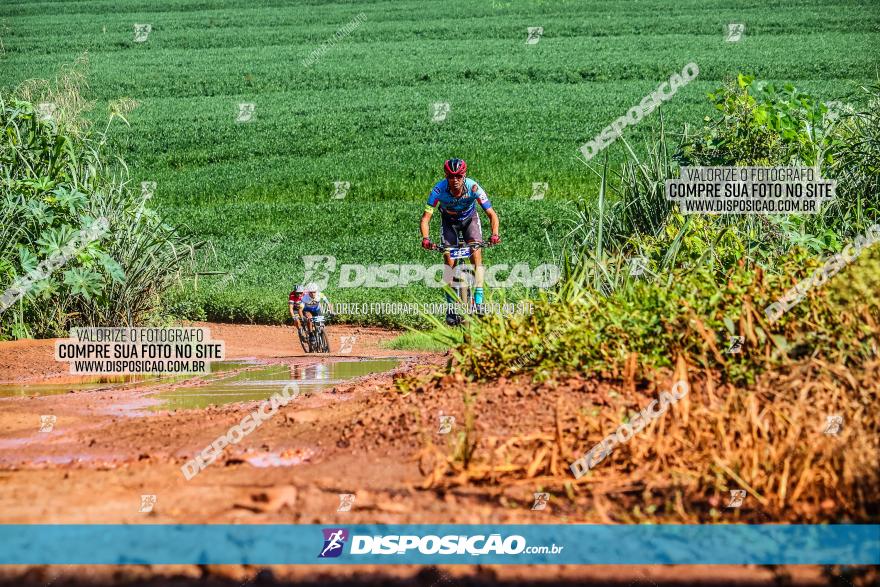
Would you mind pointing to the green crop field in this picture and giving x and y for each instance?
(361, 112)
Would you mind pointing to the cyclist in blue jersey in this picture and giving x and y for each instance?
(456, 197)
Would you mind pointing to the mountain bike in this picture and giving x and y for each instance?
(319, 336)
(460, 253)
(313, 340)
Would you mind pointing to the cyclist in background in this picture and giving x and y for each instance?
(456, 196)
(295, 303)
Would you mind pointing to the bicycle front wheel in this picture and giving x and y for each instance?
(325, 347)
(463, 289)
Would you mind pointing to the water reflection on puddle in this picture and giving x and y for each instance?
(259, 383)
(86, 384)
(96, 382)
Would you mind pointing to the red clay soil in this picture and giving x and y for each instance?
(361, 437)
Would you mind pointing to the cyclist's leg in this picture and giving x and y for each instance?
(448, 237)
(473, 232)
(448, 231)
(479, 275)
(308, 320)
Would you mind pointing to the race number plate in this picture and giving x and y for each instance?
(462, 253)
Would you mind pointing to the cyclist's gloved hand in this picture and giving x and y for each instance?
(427, 244)
(495, 239)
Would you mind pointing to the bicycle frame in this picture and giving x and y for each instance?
(314, 339)
(458, 253)
(320, 335)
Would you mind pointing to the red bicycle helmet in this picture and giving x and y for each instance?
(455, 167)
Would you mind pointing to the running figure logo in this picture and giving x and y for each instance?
(147, 189)
(147, 503)
(833, 424)
(539, 188)
(47, 110)
(637, 266)
(346, 500)
(736, 498)
(346, 343)
(534, 34)
(246, 112)
(736, 344)
(141, 32)
(340, 189)
(835, 110)
(441, 109)
(47, 423)
(318, 269)
(334, 540)
(541, 500)
(446, 424)
(735, 32)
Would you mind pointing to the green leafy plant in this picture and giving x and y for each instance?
(760, 124)
(706, 277)
(59, 177)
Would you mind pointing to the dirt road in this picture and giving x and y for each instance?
(110, 446)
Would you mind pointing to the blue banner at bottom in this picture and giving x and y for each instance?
(574, 544)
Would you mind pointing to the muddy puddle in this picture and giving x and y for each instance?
(69, 384)
(259, 382)
(229, 382)
(82, 384)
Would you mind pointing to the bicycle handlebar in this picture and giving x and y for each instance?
(327, 317)
(473, 246)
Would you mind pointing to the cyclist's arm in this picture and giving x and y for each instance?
(425, 224)
(433, 202)
(483, 199)
(493, 220)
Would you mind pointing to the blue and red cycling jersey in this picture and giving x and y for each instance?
(458, 207)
